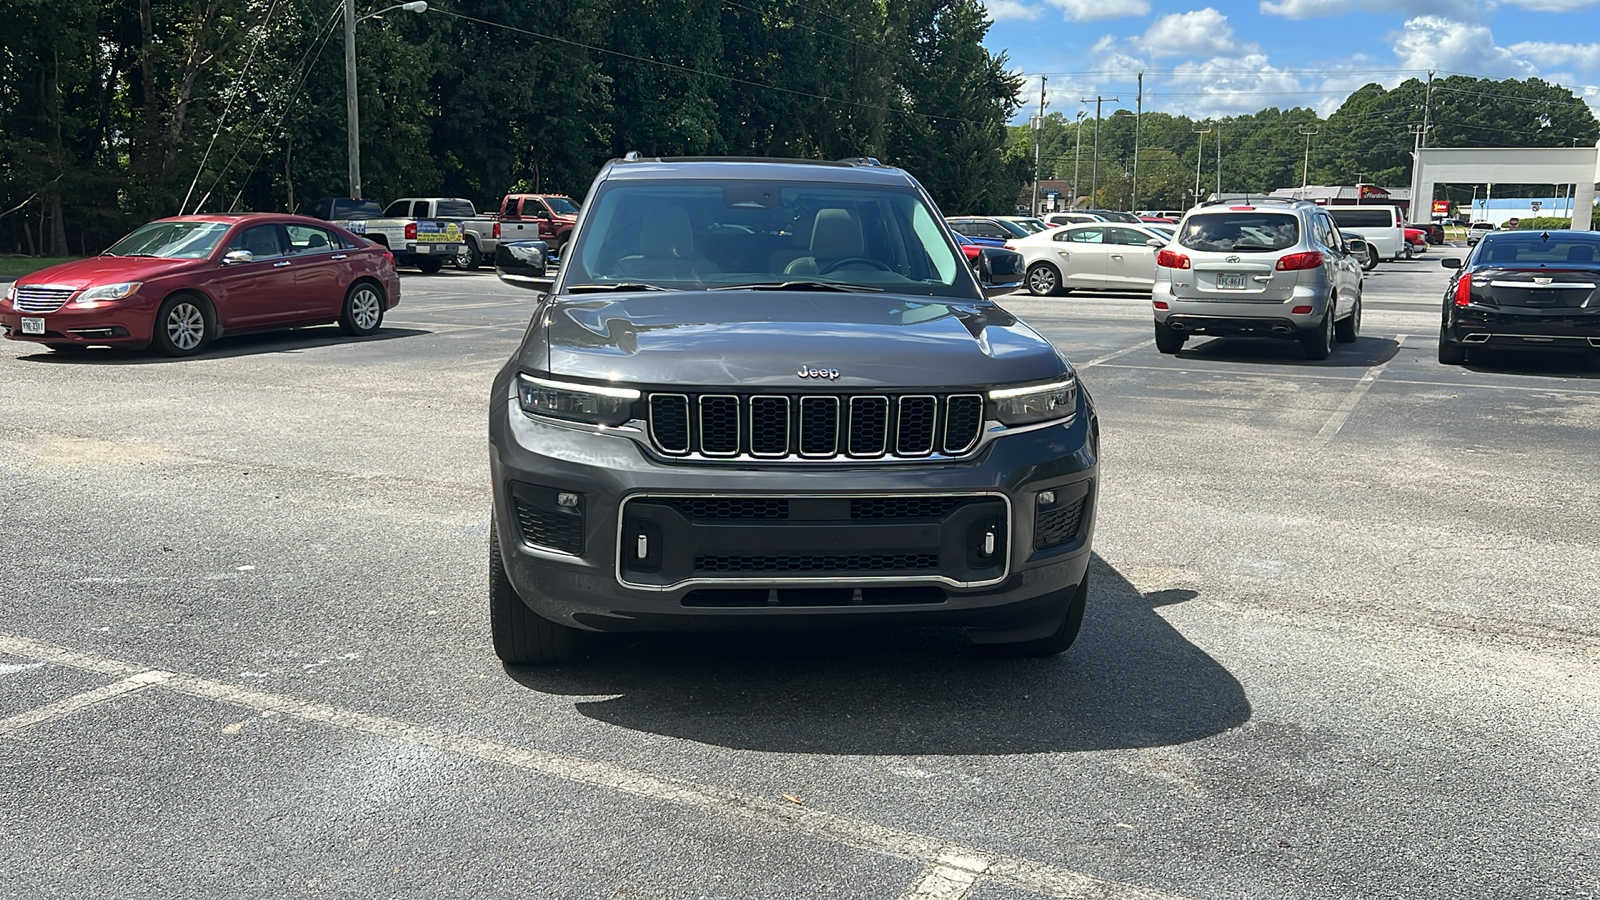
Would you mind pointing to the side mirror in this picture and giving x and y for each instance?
(1450, 262)
(1157, 243)
(235, 257)
(524, 264)
(1355, 245)
(542, 214)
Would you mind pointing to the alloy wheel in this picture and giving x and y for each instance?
(186, 326)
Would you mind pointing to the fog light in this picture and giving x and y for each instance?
(566, 499)
(1047, 498)
(1301, 310)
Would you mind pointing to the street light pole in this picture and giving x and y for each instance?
(1038, 140)
(1094, 180)
(352, 108)
(1077, 156)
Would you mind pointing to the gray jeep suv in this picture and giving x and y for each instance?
(769, 394)
(1259, 268)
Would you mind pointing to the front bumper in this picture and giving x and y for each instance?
(815, 566)
(125, 322)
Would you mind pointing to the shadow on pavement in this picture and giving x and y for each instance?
(1365, 353)
(1583, 363)
(1131, 680)
(227, 347)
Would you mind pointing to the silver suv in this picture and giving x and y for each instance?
(1260, 268)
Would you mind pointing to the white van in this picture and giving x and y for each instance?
(1383, 227)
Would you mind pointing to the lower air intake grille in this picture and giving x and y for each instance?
(865, 562)
(551, 529)
(1059, 525)
(901, 507)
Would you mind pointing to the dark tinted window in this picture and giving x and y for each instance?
(1531, 248)
(398, 210)
(1354, 217)
(1240, 232)
(455, 209)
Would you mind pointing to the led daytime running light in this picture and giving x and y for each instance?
(1007, 393)
(613, 392)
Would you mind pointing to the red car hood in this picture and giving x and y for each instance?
(107, 270)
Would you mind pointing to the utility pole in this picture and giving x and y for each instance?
(1427, 116)
(1094, 181)
(1305, 170)
(1038, 139)
(1077, 156)
(1138, 118)
(352, 111)
(1199, 148)
(1219, 160)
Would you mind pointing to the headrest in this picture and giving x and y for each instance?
(667, 234)
(836, 235)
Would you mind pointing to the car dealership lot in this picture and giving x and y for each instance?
(1342, 642)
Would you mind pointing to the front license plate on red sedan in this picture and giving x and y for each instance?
(1230, 282)
(32, 326)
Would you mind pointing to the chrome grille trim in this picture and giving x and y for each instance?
(977, 431)
(900, 448)
(860, 419)
(656, 438)
(42, 298)
(814, 427)
(833, 445)
(737, 410)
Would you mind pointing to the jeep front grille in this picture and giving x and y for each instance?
(815, 426)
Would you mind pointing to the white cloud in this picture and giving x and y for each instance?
(1433, 42)
(1311, 9)
(1585, 56)
(1097, 10)
(1004, 10)
(1230, 86)
(1554, 6)
(1203, 32)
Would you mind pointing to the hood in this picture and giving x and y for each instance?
(84, 273)
(712, 338)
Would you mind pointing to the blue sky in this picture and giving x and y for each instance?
(1223, 58)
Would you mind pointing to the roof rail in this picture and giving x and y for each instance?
(1256, 201)
(862, 161)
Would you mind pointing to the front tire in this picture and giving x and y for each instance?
(1044, 280)
(184, 325)
(1071, 622)
(363, 309)
(1371, 262)
(469, 258)
(1346, 330)
(521, 636)
(430, 265)
(1319, 344)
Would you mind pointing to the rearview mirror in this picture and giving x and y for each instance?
(234, 257)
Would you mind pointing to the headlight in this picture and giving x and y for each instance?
(108, 292)
(1027, 404)
(11, 292)
(592, 403)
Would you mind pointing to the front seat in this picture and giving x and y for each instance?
(666, 250)
(835, 236)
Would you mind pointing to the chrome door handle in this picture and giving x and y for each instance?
(279, 265)
(340, 256)
(1116, 256)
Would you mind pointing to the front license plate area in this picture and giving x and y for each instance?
(1230, 281)
(32, 326)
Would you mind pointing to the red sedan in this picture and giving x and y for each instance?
(178, 283)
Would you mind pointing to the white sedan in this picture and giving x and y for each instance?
(1098, 255)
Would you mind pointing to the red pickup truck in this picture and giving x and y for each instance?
(543, 217)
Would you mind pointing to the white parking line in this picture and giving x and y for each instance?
(1342, 414)
(947, 864)
(1123, 352)
(70, 705)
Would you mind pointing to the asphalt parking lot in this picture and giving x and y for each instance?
(1342, 642)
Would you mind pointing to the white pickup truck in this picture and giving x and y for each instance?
(426, 242)
(480, 234)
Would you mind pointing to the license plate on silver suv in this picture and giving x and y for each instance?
(1227, 281)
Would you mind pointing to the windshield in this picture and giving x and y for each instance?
(705, 233)
(1535, 249)
(1240, 232)
(561, 206)
(1362, 218)
(171, 240)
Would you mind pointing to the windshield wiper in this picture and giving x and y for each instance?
(614, 288)
(800, 286)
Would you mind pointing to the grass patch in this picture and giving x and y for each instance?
(26, 265)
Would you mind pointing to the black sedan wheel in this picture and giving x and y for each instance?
(1450, 352)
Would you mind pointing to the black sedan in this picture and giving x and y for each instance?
(1525, 290)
